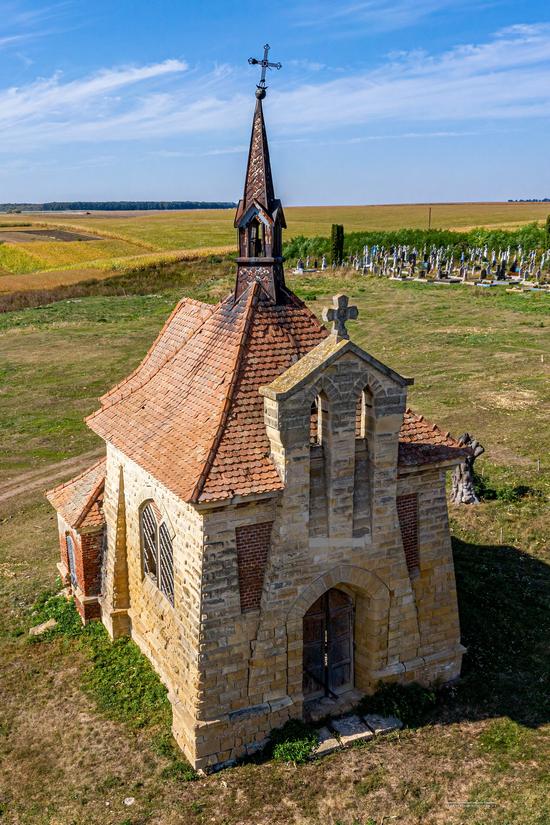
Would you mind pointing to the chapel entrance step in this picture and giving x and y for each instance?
(318, 709)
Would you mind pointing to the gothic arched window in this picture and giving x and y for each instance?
(256, 239)
(71, 560)
(364, 413)
(318, 420)
(157, 550)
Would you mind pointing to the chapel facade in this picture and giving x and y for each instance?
(269, 523)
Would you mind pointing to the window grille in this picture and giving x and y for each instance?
(150, 540)
(158, 553)
(166, 554)
(71, 558)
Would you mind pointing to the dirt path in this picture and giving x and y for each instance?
(47, 477)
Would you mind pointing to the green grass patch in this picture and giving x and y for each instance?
(507, 743)
(294, 742)
(119, 679)
(122, 682)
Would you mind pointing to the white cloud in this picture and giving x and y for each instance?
(380, 15)
(506, 77)
(22, 25)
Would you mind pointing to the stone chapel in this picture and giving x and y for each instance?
(269, 522)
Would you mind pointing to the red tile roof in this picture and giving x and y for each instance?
(80, 500)
(421, 442)
(191, 414)
(195, 422)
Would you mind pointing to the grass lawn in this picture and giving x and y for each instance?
(73, 752)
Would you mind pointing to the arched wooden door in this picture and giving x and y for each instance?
(328, 645)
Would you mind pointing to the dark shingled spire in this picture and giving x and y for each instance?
(259, 181)
(259, 218)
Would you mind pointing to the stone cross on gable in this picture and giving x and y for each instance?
(339, 314)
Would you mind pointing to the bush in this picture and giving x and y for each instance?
(294, 742)
(509, 493)
(410, 703)
(529, 237)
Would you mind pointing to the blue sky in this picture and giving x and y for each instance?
(377, 102)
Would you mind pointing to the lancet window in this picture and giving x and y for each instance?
(157, 551)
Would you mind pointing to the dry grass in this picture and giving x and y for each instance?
(103, 268)
(483, 761)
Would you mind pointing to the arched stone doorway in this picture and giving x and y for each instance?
(328, 645)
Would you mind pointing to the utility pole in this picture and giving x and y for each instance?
(430, 218)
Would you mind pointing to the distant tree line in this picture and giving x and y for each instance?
(112, 206)
(529, 237)
(528, 200)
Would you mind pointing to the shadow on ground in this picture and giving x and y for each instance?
(504, 603)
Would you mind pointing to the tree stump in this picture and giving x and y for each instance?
(462, 489)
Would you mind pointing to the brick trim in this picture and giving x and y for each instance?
(253, 542)
(407, 511)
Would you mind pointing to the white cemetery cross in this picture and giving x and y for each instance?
(339, 314)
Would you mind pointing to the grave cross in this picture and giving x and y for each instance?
(339, 314)
(265, 64)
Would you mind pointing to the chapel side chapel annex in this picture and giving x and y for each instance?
(269, 523)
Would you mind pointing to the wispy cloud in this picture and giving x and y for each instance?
(506, 77)
(20, 24)
(378, 15)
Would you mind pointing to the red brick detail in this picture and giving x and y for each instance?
(407, 510)
(252, 548)
(91, 553)
(88, 554)
(88, 611)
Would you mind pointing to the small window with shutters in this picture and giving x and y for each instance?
(157, 550)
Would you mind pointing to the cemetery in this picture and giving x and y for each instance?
(481, 266)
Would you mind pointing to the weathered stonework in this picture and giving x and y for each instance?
(255, 464)
(235, 671)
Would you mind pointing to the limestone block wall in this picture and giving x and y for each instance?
(168, 635)
(434, 586)
(379, 550)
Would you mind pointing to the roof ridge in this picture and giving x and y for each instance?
(252, 302)
(185, 301)
(69, 481)
(161, 366)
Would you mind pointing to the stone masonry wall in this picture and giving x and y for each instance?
(230, 649)
(251, 661)
(168, 635)
(434, 586)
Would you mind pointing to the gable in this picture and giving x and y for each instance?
(315, 363)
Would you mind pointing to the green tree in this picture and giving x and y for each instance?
(337, 243)
(548, 226)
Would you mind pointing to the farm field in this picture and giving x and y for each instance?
(126, 238)
(482, 757)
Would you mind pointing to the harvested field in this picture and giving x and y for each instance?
(161, 232)
(25, 235)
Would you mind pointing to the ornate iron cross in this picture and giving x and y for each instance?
(265, 64)
(339, 314)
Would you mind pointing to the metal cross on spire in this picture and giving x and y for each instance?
(265, 64)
